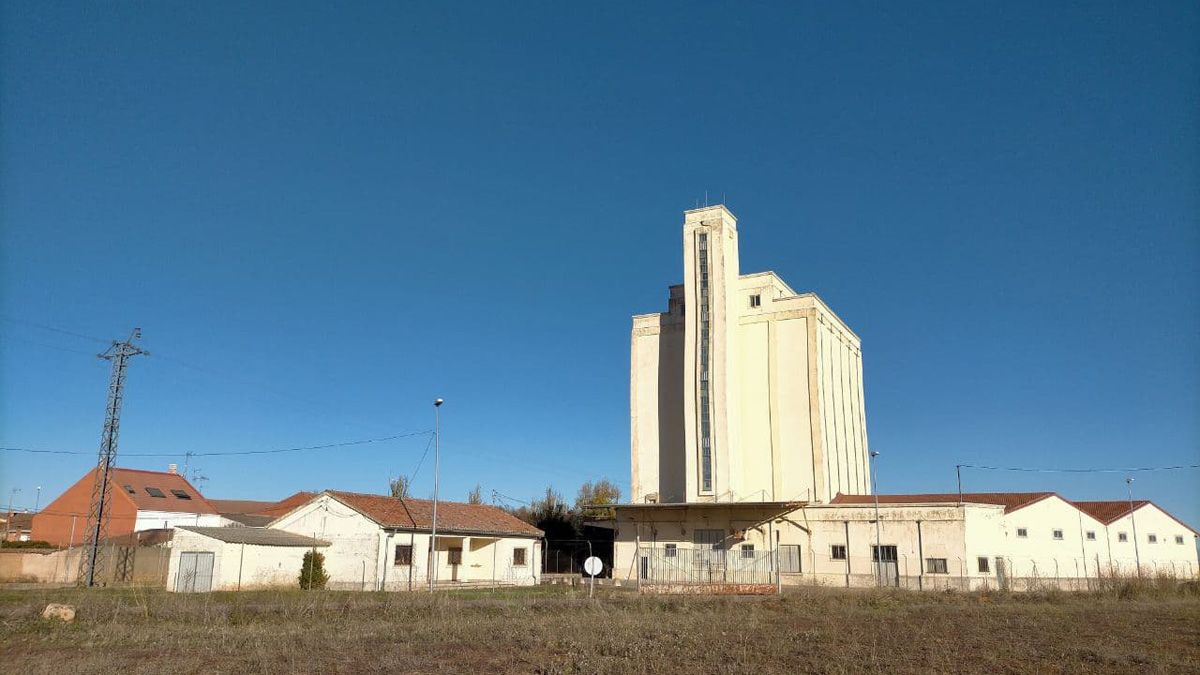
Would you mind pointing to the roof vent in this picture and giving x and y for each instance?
(172, 468)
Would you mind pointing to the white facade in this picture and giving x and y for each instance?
(743, 389)
(239, 566)
(363, 553)
(153, 520)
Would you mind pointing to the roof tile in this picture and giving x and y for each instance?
(452, 516)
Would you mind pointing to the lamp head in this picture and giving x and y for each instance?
(437, 402)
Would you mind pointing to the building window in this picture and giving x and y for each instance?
(789, 558)
(518, 557)
(1122, 537)
(1152, 538)
(180, 494)
(755, 300)
(889, 553)
(403, 555)
(1178, 539)
(714, 539)
(706, 483)
(935, 566)
(455, 557)
(747, 550)
(1091, 536)
(1058, 535)
(984, 565)
(837, 552)
(155, 492)
(1022, 532)
(671, 550)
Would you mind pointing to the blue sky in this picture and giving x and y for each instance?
(322, 217)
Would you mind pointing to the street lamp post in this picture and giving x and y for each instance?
(878, 543)
(437, 460)
(1137, 558)
(8, 516)
(38, 501)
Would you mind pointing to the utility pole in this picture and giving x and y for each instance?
(878, 543)
(437, 461)
(1137, 557)
(8, 516)
(98, 514)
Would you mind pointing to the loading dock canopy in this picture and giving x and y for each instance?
(255, 536)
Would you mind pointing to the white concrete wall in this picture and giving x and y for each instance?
(258, 566)
(153, 520)
(1165, 557)
(355, 548)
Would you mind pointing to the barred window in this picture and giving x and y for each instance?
(403, 554)
(837, 552)
(519, 557)
(935, 566)
(671, 550)
(747, 550)
(984, 565)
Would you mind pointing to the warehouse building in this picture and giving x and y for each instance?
(750, 464)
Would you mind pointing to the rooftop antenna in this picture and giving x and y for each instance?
(706, 198)
(99, 513)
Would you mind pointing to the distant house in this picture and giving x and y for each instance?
(17, 526)
(140, 500)
(254, 513)
(381, 542)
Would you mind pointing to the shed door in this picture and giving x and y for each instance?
(195, 572)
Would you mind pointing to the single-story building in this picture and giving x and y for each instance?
(926, 541)
(235, 558)
(383, 542)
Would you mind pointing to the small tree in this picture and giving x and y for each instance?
(399, 486)
(595, 498)
(312, 572)
(475, 496)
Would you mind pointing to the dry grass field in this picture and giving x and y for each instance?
(558, 630)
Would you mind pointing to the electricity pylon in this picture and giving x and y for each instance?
(98, 513)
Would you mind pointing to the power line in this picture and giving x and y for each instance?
(325, 446)
(1036, 470)
(52, 329)
(9, 336)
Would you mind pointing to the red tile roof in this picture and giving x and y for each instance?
(133, 484)
(287, 504)
(1107, 512)
(224, 506)
(1011, 501)
(452, 516)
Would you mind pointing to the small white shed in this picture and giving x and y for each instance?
(234, 558)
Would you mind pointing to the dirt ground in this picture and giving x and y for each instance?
(558, 630)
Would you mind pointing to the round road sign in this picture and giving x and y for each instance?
(593, 566)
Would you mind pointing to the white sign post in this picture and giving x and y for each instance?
(593, 566)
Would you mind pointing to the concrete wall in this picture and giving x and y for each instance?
(121, 566)
(152, 520)
(237, 566)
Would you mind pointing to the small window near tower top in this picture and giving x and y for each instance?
(1022, 532)
(1121, 536)
(1178, 539)
(755, 300)
(837, 552)
(1058, 534)
(1091, 536)
(1153, 538)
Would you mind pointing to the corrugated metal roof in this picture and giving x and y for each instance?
(255, 536)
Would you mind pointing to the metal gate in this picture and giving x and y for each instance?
(887, 565)
(195, 572)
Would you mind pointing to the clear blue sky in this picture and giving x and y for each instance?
(332, 214)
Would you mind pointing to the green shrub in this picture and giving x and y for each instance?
(27, 544)
(312, 572)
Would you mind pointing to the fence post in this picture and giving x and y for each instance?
(962, 574)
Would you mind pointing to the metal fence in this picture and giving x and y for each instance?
(701, 569)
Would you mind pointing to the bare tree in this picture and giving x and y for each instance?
(400, 486)
(475, 496)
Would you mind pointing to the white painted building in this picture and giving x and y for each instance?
(749, 461)
(380, 542)
(236, 558)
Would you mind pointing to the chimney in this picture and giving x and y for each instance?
(172, 468)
